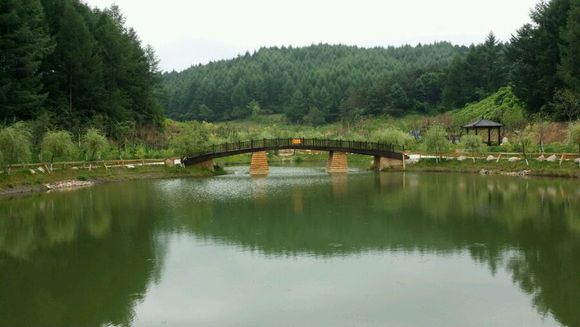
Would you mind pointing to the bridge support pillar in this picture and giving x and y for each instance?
(337, 162)
(381, 163)
(259, 164)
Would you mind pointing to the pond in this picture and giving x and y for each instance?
(298, 248)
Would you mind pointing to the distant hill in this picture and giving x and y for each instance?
(325, 83)
(313, 84)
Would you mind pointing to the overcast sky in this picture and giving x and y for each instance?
(186, 32)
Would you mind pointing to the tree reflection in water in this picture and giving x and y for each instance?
(87, 258)
(529, 227)
(81, 258)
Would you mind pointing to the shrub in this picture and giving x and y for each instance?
(393, 137)
(15, 144)
(524, 139)
(57, 145)
(191, 139)
(436, 139)
(574, 135)
(94, 144)
(472, 144)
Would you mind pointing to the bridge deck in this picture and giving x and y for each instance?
(234, 148)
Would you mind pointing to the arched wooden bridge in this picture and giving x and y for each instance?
(337, 149)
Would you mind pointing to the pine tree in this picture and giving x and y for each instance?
(569, 69)
(24, 42)
(494, 66)
(535, 55)
(74, 77)
(297, 108)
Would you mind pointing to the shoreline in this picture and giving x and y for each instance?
(21, 184)
(497, 172)
(492, 168)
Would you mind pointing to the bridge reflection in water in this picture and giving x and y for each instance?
(384, 154)
(100, 256)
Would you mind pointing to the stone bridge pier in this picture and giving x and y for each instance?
(381, 163)
(337, 162)
(259, 164)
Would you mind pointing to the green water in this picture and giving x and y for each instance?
(299, 248)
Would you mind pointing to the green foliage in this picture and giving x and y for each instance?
(393, 137)
(24, 43)
(540, 54)
(436, 139)
(94, 144)
(574, 135)
(472, 143)
(81, 66)
(192, 138)
(15, 144)
(567, 104)
(478, 74)
(140, 151)
(569, 69)
(524, 140)
(502, 106)
(314, 117)
(558, 147)
(57, 145)
(254, 109)
(339, 81)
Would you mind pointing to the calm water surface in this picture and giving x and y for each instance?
(299, 248)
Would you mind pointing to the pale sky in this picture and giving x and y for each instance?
(187, 32)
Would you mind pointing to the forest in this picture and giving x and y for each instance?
(75, 80)
(66, 65)
(326, 83)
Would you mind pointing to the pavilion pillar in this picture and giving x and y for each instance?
(337, 162)
(259, 164)
(489, 137)
(499, 136)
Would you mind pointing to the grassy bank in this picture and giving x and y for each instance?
(535, 168)
(22, 181)
(551, 169)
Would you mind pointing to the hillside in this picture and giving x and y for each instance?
(314, 84)
(326, 83)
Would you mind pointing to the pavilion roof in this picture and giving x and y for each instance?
(483, 123)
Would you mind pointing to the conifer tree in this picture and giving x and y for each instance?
(24, 42)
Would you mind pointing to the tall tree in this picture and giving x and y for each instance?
(569, 69)
(74, 70)
(24, 42)
(535, 55)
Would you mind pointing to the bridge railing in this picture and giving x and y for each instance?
(295, 143)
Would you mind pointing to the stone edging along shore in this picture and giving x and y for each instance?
(68, 185)
(68, 182)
